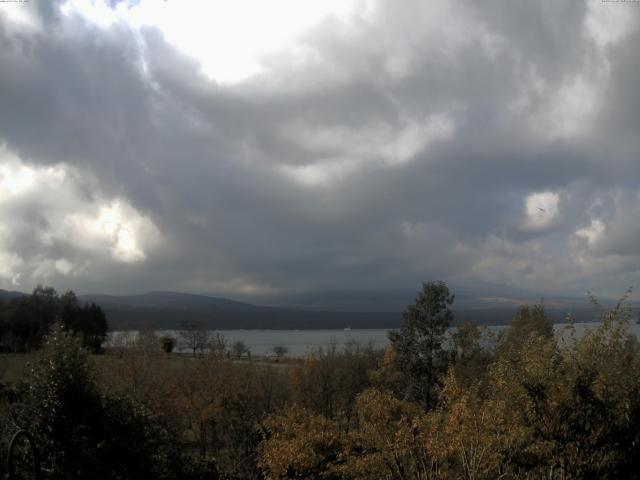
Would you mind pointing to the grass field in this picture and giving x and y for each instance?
(13, 367)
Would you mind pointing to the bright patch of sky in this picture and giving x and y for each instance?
(116, 226)
(228, 38)
(593, 232)
(389, 145)
(541, 209)
(70, 231)
(608, 25)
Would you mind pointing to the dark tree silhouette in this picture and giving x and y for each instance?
(168, 344)
(418, 343)
(25, 320)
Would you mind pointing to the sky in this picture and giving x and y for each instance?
(293, 146)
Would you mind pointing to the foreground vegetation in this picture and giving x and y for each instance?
(523, 404)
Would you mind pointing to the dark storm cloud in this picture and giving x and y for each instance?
(404, 150)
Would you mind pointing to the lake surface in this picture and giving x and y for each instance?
(301, 342)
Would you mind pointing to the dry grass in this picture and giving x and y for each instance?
(13, 367)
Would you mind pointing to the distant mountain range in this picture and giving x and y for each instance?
(9, 294)
(168, 310)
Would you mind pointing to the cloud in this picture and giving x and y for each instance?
(369, 145)
(52, 229)
(593, 233)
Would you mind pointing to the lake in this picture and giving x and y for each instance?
(301, 342)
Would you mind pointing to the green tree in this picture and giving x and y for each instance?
(418, 343)
(26, 320)
(31, 317)
(530, 320)
(82, 432)
(87, 321)
(550, 409)
(94, 327)
(471, 353)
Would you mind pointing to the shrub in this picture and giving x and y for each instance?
(82, 432)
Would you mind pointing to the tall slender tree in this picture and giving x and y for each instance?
(418, 344)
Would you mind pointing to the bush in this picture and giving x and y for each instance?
(81, 432)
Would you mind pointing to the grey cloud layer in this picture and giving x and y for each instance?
(402, 149)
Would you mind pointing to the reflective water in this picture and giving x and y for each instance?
(301, 342)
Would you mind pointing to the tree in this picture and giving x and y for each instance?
(577, 406)
(280, 350)
(87, 321)
(217, 345)
(418, 343)
(167, 343)
(239, 348)
(529, 321)
(328, 381)
(62, 401)
(466, 338)
(82, 432)
(389, 441)
(94, 330)
(121, 341)
(195, 336)
(147, 340)
(471, 351)
(31, 317)
(26, 320)
(300, 444)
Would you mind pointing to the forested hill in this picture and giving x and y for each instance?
(170, 309)
(7, 295)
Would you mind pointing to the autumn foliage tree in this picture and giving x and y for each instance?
(534, 404)
(300, 444)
